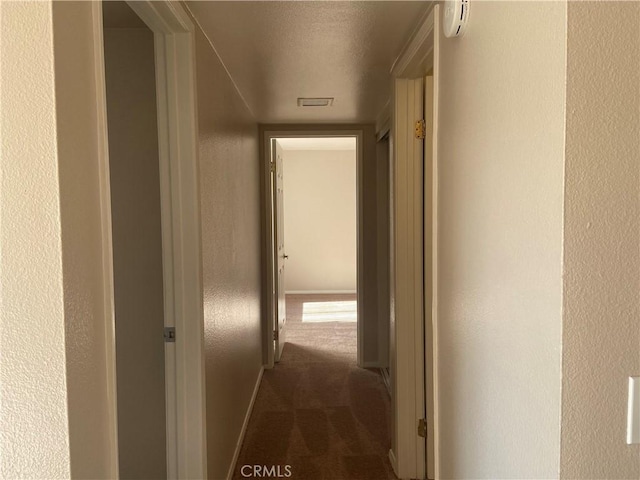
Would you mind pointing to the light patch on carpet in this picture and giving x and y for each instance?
(343, 311)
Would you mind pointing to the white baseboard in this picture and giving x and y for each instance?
(319, 292)
(394, 463)
(243, 431)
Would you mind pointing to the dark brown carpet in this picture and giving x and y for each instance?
(316, 411)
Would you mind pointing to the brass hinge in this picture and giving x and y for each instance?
(421, 128)
(272, 167)
(422, 427)
(275, 335)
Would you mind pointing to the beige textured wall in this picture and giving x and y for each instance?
(90, 392)
(601, 336)
(137, 251)
(34, 437)
(501, 161)
(320, 220)
(230, 209)
(383, 251)
(370, 346)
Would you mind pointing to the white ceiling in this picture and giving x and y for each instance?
(318, 143)
(277, 51)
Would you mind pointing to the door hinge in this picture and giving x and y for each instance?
(422, 427)
(272, 167)
(169, 334)
(421, 128)
(275, 335)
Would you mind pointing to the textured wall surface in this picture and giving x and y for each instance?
(501, 166)
(370, 249)
(230, 208)
(90, 382)
(382, 246)
(601, 336)
(320, 220)
(34, 441)
(137, 251)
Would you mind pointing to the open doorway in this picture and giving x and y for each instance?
(313, 235)
(316, 237)
(151, 226)
(136, 221)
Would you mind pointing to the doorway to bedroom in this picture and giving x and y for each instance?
(315, 185)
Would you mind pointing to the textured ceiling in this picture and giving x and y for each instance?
(277, 51)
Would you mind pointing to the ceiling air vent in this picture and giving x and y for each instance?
(315, 102)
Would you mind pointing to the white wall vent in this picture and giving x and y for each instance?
(315, 102)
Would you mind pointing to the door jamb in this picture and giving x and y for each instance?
(108, 288)
(181, 240)
(419, 56)
(267, 133)
(407, 367)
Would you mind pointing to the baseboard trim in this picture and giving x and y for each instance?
(394, 463)
(320, 292)
(243, 431)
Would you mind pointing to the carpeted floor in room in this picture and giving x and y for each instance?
(316, 411)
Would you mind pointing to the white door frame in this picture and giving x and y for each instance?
(181, 240)
(407, 371)
(415, 244)
(268, 275)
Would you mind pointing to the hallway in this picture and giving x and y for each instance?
(316, 410)
(497, 240)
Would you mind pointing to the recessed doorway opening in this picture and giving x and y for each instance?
(314, 218)
(151, 232)
(320, 189)
(138, 263)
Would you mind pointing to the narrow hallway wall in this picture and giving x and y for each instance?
(601, 305)
(230, 212)
(88, 321)
(501, 164)
(34, 435)
(383, 251)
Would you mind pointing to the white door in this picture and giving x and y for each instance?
(414, 253)
(430, 254)
(281, 257)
